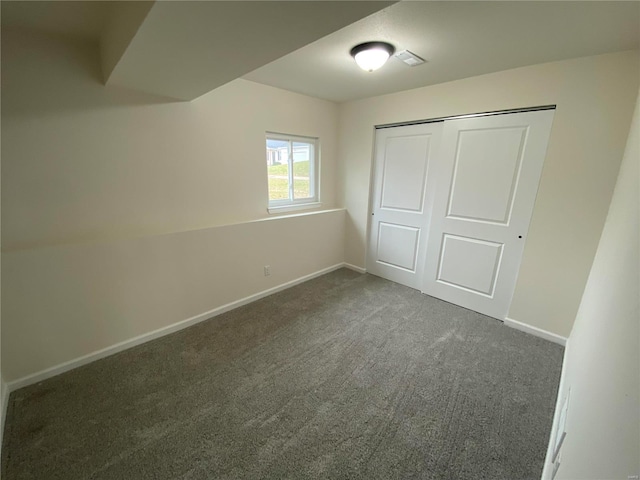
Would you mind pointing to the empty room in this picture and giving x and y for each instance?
(320, 239)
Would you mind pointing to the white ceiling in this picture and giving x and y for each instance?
(74, 19)
(458, 39)
(186, 49)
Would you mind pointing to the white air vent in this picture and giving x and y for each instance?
(409, 58)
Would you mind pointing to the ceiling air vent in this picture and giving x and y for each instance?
(409, 58)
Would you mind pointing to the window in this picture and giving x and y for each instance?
(292, 166)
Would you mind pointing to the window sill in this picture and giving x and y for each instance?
(294, 208)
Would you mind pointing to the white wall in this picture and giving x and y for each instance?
(123, 214)
(88, 162)
(594, 98)
(66, 301)
(602, 367)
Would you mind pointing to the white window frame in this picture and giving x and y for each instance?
(291, 204)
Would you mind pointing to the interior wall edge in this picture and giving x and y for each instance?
(116, 238)
(602, 382)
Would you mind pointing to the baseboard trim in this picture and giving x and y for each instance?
(538, 332)
(355, 268)
(547, 468)
(161, 332)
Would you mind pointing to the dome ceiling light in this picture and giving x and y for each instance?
(371, 56)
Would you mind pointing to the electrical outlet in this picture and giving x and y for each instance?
(633, 477)
(267, 270)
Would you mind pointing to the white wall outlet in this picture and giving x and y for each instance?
(267, 270)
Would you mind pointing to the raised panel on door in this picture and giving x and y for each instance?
(404, 172)
(469, 264)
(493, 156)
(396, 244)
(485, 184)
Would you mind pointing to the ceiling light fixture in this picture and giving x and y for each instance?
(371, 56)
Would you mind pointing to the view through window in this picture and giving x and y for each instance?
(291, 169)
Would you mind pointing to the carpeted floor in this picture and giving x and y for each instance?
(345, 376)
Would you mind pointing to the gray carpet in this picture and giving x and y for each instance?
(345, 376)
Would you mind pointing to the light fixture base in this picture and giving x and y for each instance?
(372, 55)
(390, 49)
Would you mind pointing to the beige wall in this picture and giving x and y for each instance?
(594, 98)
(123, 214)
(85, 162)
(66, 301)
(602, 360)
(93, 173)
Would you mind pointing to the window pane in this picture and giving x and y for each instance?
(278, 169)
(302, 165)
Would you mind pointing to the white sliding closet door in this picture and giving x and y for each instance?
(396, 245)
(485, 181)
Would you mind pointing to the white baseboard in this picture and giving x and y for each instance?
(355, 268)
(538, 332)
(161, 332)
(547, 469)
